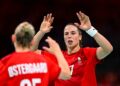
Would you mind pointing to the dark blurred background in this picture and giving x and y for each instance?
(104, 15)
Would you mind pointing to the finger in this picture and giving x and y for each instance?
(49, 17)
(79, 17)
(80, 13)
(83, 16)
(46, 48)
(86, 19)
(77, 24)
(80, 26)
(48, 40)
(50, 28)
(44, 18)
(51, 20)
(51, 41)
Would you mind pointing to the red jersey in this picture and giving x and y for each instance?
(54, 60)
(82, 65)
(26, 69)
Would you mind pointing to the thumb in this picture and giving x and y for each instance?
(46, 49)
(51, 27)
(77, 24)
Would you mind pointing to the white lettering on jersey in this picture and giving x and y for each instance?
(27, 68)
(27, 82)
(80, 61)
(71, 69)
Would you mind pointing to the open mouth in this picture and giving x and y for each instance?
(70, 42)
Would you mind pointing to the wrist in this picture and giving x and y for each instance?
(42, 32)
(92, 31)
(58, 53)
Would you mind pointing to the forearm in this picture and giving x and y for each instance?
(65, 71)
(103, 42)
(37, 39)
(105, 46)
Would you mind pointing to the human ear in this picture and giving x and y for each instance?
(13, 38)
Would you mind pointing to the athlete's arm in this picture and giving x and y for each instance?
(55, 50)
(105, 48)
(45, 27)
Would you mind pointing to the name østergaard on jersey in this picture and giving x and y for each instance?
(27, 68)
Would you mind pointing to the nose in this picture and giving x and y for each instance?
(69, 35)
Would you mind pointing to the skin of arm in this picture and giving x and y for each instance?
(105, 47)
(45, 27)
(53, 46)
(55, 50)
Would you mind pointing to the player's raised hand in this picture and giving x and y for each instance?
(45, 26)
(53, 48)
(85, 23)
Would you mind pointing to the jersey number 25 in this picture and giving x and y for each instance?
(27, 82)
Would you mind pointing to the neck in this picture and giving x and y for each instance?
(19, 49)
(73, 49)
(38, 51)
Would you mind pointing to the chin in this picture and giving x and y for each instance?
(70, 46)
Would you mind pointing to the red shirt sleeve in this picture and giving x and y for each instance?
(91, 54)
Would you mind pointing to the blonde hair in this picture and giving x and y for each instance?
(24, 34)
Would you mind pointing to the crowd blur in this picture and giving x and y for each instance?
(109, 78)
